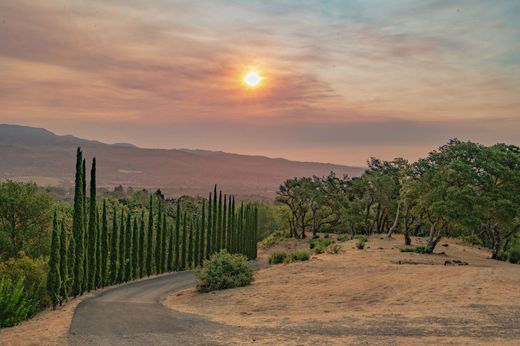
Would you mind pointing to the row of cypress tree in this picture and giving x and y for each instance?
(143, 243)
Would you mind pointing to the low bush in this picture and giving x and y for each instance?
(343, 237)
(416, 249)
(273, 239)
(334, 249)
(15, 305)
(360, 244)
(224, 270)
(297, 256)
(319, 245)
(33, 275)
(277, 257)
(361, 237)
(514, 253)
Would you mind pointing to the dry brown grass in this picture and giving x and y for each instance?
(364, 296)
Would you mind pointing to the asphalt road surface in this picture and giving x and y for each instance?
(133, 315)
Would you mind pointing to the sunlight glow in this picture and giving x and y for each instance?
(252, 79)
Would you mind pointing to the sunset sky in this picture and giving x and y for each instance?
(341, 80)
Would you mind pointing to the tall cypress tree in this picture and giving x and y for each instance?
(209, 237)
(122, 248)
(202, 231)
(255, 253)
(92, 229)
(104, 245)
(214, 226)
(135, 251)
(164, 256)
(169, 262)
(196, 246)
(128, 246)
(184, 235)
(71, 255)
(232, 226)
(158, 239)
(228, 225)
(177, 235)
(77, 227)
(84, 284)
(190, 247)
(114, 250)
(149, 243)
(99, 262)
(142, 239)
(224, 224)
(219, 222)
(53, 276)
(64, 266)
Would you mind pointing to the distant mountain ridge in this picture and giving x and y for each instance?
(29, 153)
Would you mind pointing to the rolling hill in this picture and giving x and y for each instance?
(36, 154)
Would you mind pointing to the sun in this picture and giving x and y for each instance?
(252, 78)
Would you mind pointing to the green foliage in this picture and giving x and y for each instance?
(114, 249)
(297, 256)
(273, 239)
(15, 305)
(53, 276)
(472, 239)
(33, 274)
(224, 270)
(149, 243)
(25, 219)
(319, 245)
(417, 249)
(78, 227)
(277, 257)
(513, 253)
(92, 230)
(182, 265)
(360, 244)
(361, 237)
(64, 265)
(343, 238)
(284, 257)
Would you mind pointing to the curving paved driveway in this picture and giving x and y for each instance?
(133, 315)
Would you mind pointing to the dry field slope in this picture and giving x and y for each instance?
(366, 297)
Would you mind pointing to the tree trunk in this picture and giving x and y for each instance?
(394, 226)
(407, 239)
(431, 241)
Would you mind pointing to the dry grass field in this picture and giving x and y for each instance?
(368, 297)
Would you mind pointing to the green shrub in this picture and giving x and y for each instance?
(514, 253)
(472, 239)
(224, 270)
(343, 237)
(319, 245)
(361, 237)
(15, 305)
(417, 249)
(297, 256)
(273, 239)
(360, 244)
(33, 274)
(277, 258)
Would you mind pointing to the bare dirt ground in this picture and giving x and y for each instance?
(368, 297)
